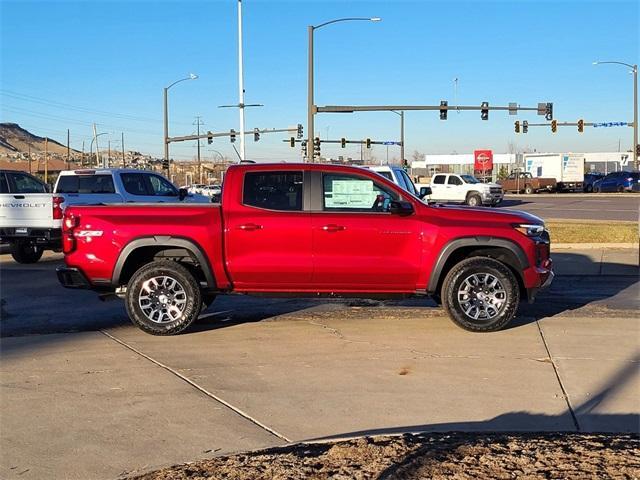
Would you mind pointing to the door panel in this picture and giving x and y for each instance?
(268, 235)
(357, 244)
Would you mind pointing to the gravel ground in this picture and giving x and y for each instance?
(432, 456)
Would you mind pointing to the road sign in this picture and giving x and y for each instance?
(391, 143)
(610, 124)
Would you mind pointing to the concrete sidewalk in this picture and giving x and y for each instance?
(577, 260)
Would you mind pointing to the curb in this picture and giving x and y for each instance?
(591, 246)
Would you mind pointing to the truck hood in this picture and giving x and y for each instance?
(489, 214)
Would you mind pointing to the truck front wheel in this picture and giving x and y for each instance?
(528, 189)
(163, 298)
(480, 294)
(474, 200)
(26, 253)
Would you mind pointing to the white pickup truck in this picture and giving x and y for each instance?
(451, 187)
(30, 217)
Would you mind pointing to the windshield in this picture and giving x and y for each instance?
(469, 179)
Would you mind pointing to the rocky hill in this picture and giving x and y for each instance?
(14, 138)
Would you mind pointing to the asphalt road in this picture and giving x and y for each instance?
(595, 206)
(85, 394)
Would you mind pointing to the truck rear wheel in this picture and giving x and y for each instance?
(26, 253)
(480, 294)
(163, 298)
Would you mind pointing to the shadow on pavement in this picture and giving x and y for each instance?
(34, 303)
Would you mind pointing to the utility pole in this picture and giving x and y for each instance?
(240, 82)
(109, 154)
(46, 159)
(95, 139)
(68, 150)
(29, 160)
(198, 123)
(82, 157)
(124, 163)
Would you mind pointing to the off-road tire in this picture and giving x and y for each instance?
(528, 190)
(25, 253)
(172, 270)
(480, 265)
(474, 200)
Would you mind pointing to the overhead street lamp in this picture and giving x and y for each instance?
(634, 70)
(192, 76)
(311, 108)
(95, 138)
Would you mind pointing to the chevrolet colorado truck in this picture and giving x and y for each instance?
(305, 230)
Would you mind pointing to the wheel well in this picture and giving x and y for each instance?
(473, 192)
(147, 254)
(503, 255)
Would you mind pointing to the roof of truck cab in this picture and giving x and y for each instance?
(103, 171)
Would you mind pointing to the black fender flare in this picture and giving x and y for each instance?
(164, 241)
(479, 242)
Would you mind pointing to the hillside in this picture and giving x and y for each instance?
(14, 138)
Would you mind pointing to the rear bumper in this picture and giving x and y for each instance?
(38, 236)
(70, 277)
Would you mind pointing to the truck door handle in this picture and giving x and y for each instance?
(250, 227)
(19, 197)
(332, 228)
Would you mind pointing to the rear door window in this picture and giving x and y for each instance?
(439, 179)
(135, 184)
(4, 186)
(273, 190)
(23, 183)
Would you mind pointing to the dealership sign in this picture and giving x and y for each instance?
(483, 160)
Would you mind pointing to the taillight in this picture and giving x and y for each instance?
(57, 207)
(69, 223)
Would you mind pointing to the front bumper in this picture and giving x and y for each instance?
(70, 277)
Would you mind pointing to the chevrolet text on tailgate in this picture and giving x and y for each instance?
(305, 229)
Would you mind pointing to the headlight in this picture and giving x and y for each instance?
(529, 230)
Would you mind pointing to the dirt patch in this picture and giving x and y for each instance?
(434, 456)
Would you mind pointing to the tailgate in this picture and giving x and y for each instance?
(26, 210)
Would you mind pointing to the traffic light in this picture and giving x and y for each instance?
(525, 126)
(292, 142)
(232, 137)
(580, 126)
(316, 147)
(638, 150)
(554, 126)
(343, 142)
(443, 111)
(304, 148)
(165, 164)
(299, 134)
(517, 126)
(209, 138)
(484, 112)
(548, 111)
(368, 142)
(256, 134)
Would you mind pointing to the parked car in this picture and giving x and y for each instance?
(450, 187)
(618, 182)
(30, 217)
(118, 185)
(589, 180)
(397, 175)
(523, 182)
(305, 229)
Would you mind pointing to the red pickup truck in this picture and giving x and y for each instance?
(311, 230)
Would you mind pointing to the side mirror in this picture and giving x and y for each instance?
(183, 193)
(425, 192)
(401, 207)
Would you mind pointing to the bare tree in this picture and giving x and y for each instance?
(417, 156)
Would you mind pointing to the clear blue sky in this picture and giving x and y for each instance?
(94, 57)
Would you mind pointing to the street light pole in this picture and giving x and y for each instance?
(311, 108)
(634, 70)
(401, 113)
(192, 76)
